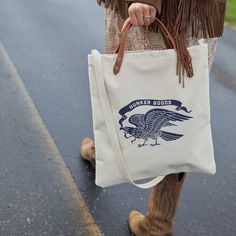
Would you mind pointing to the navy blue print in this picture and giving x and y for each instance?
(149, 125)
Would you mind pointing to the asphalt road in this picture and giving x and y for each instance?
(48, 41)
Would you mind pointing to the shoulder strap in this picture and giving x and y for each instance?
(119, 158)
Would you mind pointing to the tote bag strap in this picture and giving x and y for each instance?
(107, 111)
(123, 37)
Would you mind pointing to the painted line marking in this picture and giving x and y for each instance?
(78, 200)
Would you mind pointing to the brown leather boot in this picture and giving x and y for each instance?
(162, 206)
(87, 150)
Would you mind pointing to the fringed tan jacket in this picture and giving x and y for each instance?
(183, 18)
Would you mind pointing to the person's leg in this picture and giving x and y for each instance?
(164, 197)
(87, 150)
(163, 200)
(162, 205)
(113, 23)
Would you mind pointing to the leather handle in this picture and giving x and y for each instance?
(123, 36)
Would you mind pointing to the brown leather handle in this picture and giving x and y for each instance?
(123, 36)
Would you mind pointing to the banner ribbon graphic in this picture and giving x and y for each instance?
(150, 102)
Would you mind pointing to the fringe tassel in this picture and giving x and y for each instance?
(113, 4)
(175, 19)
(184, 18)
(181, 16)
(117, 5)
(208, 16)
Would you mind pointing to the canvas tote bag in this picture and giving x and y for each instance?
(146, 125)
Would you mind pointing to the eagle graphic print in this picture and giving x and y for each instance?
(149, 125)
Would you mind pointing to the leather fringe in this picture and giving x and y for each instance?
(117, 5)
(184, 19)
(113, 4)
(195, 18)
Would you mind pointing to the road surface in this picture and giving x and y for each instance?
(47, 42)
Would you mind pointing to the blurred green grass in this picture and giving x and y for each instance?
(231, 12)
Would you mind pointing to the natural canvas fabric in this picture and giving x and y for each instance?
(161, 127)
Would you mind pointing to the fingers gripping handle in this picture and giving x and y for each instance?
(123, 36)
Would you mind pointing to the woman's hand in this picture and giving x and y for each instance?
(137, 11)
